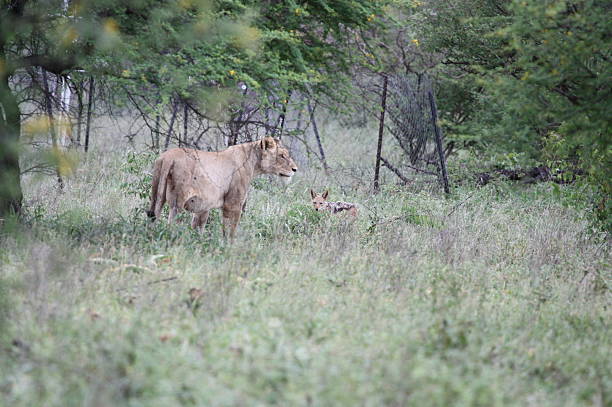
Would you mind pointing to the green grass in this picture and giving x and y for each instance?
(496, 296)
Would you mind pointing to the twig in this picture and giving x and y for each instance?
(395, 170)
(39, 168)
(374, 225)
(415, 168)
(171, 125)
(311, 110)
(390, 220)
(461, 203)
(163, 280)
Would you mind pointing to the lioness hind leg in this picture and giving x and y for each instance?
(199, 220)
(174, 210)
(172, 214)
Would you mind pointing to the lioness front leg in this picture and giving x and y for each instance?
(199, 220)
(231, 217)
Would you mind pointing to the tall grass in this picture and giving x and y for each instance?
(495, 296)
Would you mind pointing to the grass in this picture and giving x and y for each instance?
(493, 297)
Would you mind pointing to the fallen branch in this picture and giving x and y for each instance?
(531, 175)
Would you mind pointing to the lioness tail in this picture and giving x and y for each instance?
(158, 175)
(161, 172)
(154, 188)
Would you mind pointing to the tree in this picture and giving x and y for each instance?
(560, 81)
(537, 73)
(460, 33)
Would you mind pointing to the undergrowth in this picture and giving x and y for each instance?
(493, 296)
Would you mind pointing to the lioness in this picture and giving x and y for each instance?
(199, 181)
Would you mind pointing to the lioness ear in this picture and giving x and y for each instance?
(267, 143)
(312, 193)
(325, 194)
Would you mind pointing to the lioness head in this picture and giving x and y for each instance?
(275, 159)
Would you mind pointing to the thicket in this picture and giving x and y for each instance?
(529, 81)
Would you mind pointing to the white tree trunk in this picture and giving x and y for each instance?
(65, 125)
(63, 94)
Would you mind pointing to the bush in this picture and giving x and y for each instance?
(138, 167)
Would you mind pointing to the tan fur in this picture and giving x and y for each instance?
(320, 203)
(198, 181)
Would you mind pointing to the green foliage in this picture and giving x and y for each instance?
(544, 65)
(138, 167)
(193, 50)
(561, 57)
(460, 104)
(301, 218)
(299, 33)
(534, 80)
(80, 227)
(297, 220)
(460, 32)
(411, 215)
(559, 84)
(587, 197)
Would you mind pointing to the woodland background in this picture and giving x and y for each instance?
(493, 293)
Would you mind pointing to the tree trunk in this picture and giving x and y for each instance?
(156, 131)
(64, 93)
(11, 196)
(381, 128)
(283, 115)
(65, 98)
(185, 123)
(89, 111)
(49, 109)
(172, 119)
(299, 117)
(79, 93)
(315, 130)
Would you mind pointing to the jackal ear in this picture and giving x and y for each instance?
(312, 193)
(325, 194)
(267, 143)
